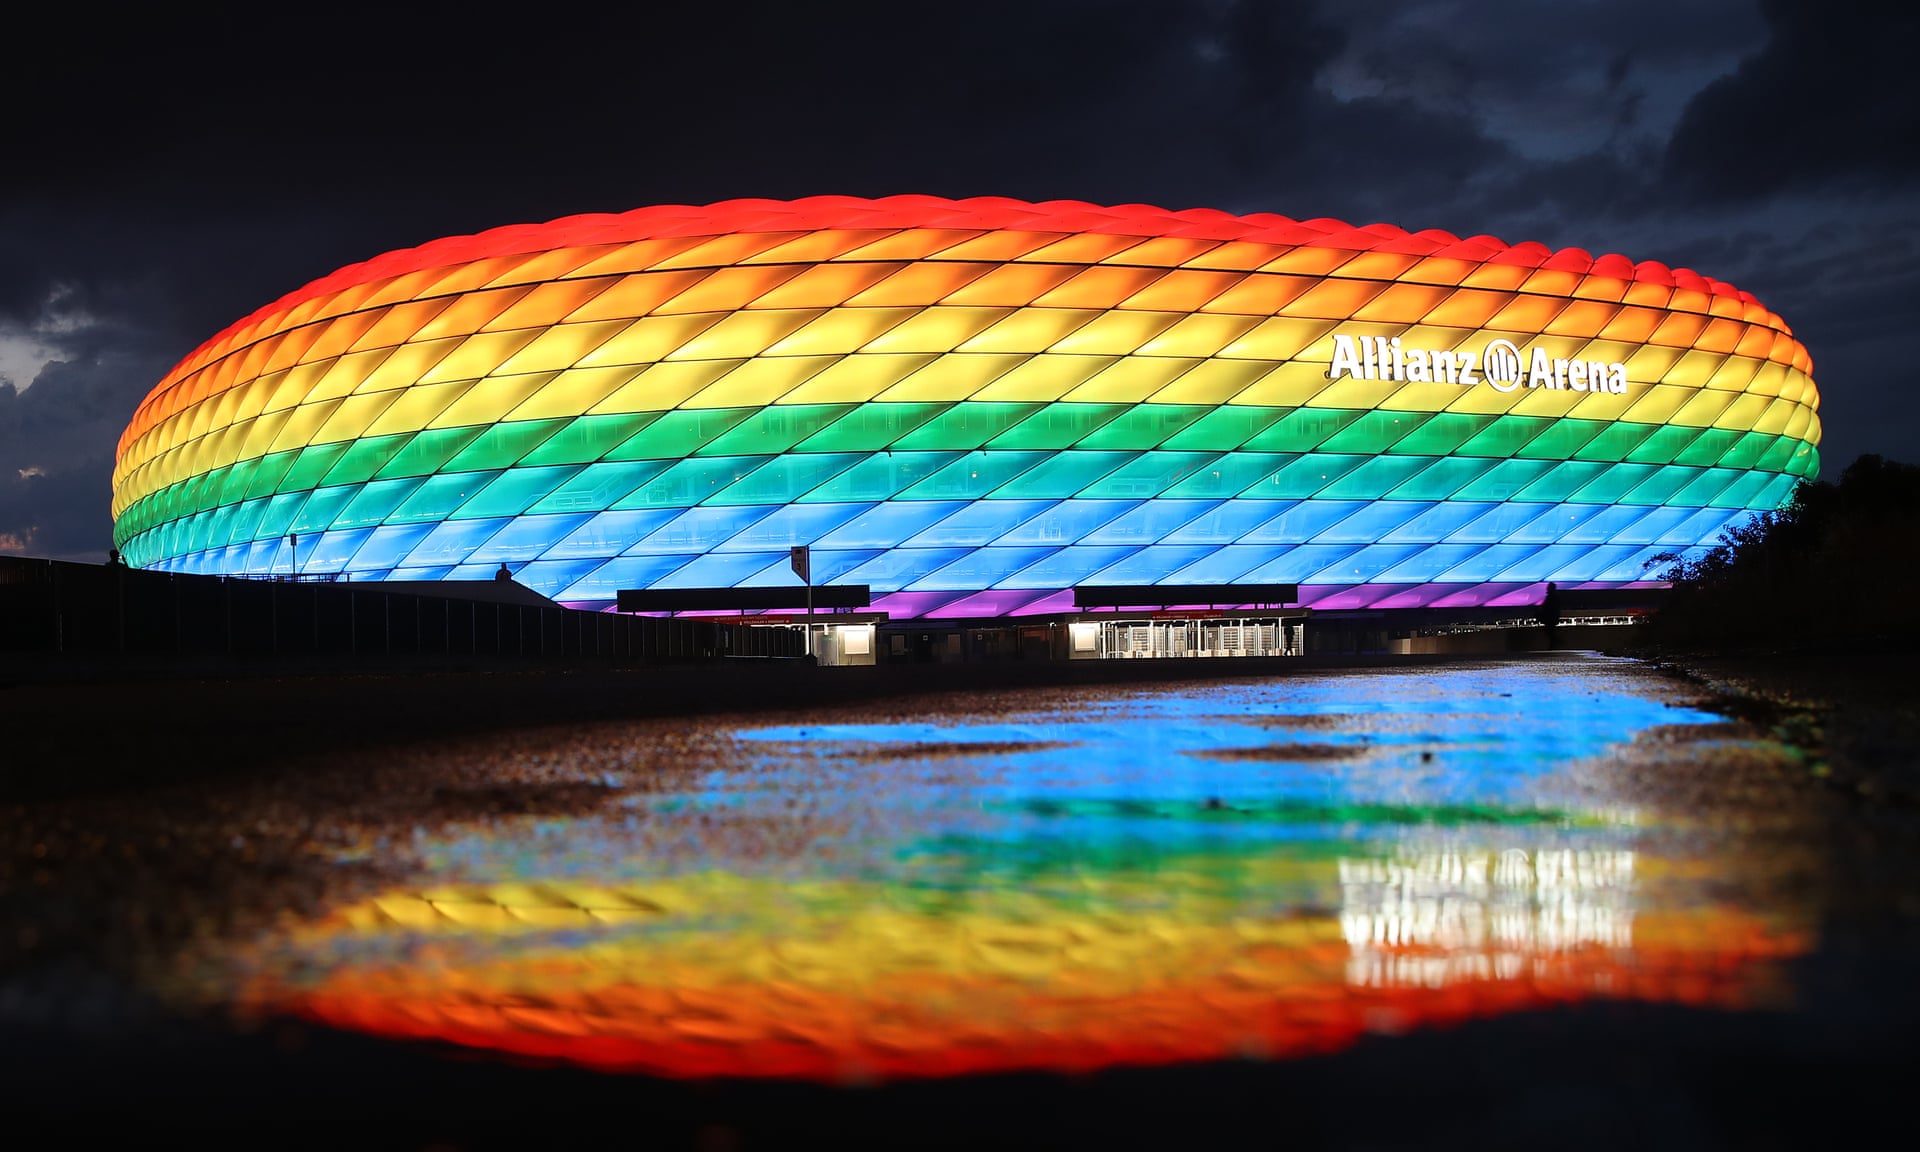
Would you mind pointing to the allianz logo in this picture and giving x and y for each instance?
(1499, 363)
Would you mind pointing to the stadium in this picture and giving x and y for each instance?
(973, 408)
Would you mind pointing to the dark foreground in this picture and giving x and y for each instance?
(146, 816)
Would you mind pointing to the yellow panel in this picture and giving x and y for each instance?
(1030, 330)
(723, 251)
(1811, 434)
(1610, 351)
(1650, 363)
(417, 406)
(1403, 303)
(1011, 285)
(1129, 380)
(1116, 333)
(1182, 290)
(856, 379)
(955, 376)
(918, 285)
(1045, 378)
(407, 365)
(1212, 381)
(295, 385)
(912, 244)
(339, 335)
(938, 329)
(1099, 288)
(1526, 315)
(547, 304)
(1468, 308)
(1348, 392)
(664, 385)
(744, 334)
(561, 347)
(1483, 401)
(1419, 397)
(228, 404)
(999, 246)
(634, 296)
(825, 244)
(1199, 335)
(398, 324)
(347, 373)
(573, 392)
(1547, 401)
(255, 395)
(1722, 335)
(1658, 404)
(1279, 338)
(637, 256)
(301, 424)
(1774, 420)
(1310, 260)
(840, 331)
(469, 313)
(1287, 386)
(1768, 378)
(1335, 299)
(649, 339)
(479, 355)
(758, 382)
(1605, 405)
(1239, 256)
(1083, 248)
(826, 285)
(1743, 413)
(1583, 318)
(730, 288)
(353, 415)
(1735, 373)
(1499, 277)
(490, 399)
(1800, 423)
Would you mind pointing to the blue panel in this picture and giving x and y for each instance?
(1490, 563)
(1297, 564)
(429, 572)
(886, 525)
(1150, 565)
(701, 529)
(1554, 523)
(1066, 522)
(527, 537)
(1426, 565)
(719, 570)
(1701, 528)
(980, 523)
(332, 550)
(1603, 525)
(1227, 522)
(1366, 566)
(1498, 523)
(979, 569)
(471, 572)
(608, 534)
(1655, 524)
(1228, 564)
(605, 582)
(1303, 522)
(390, 544)
(1775, 493)
(552, 577)
(245, 519)
(1546, 563)
(1068, 566)
(1371, 522)
(451, 541)
(828, 567)
(793, 525)
(1446, 475)
(1591, 562)
(1634, 566)
(1150, 522)
(894, 570)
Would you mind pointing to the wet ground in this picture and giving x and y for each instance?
(1565, 898)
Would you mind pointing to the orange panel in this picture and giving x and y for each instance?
(634, 296)
(1632, 325)
(1582, 318)
(1099, 287)
(1182, 290)
(1379, 265)
(1260, 294)
(918, 285)
(998, 246)
(728, 289)
(1468, 308)
(1011, 285)
(1335, 299)
(1722, 335)
(1403, 303)
(549, 303)
(1678, 330)
(826, 285)
(467, 314)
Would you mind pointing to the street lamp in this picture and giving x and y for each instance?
(293, 541)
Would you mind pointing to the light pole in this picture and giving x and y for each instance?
(293, 542)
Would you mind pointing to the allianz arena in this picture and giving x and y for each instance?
(974, 407)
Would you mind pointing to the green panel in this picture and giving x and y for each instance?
(1613, 484)
(320, 509)
(438, 496)
(879, 476)
(1065, 474)
(1778, 454)
(1441, 434)
(376, 501)
(1057, 426)
(1230, 475)
(239, 477)
(1660, 487)
(1373, 432)
(221, 533)
(679, 433)
(1506, 436)
(1376, 478)
(195, 529)
(1615, 441)
(1747, 450)
(597, 487)
(1302, 429)
(1708, 448)
(1805, 462)
(428, 450)
(588, 438)
(363, 459)
(785, 479)
(1144, 426)
(688, 482)
(1148, 475)
(872, 426)
(266, 477)
(1705, 490)
(1504, 480)
(1225, 428)
(973, 475)
(246, 521)
(207, 494)
(504, 445)
(1563, 480)
(774, 429)
(1308, 475)
(1443, 478)
(1562, 439)
(278, 517)
(1663, 444)
(514, 491)
(312, 465)
(966, 425)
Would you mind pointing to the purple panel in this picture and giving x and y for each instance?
(995, 602)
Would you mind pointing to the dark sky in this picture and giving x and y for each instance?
(168, 172)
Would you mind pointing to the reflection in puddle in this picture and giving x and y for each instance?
(1140, 878)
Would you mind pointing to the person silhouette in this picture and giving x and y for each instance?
(1550, 611)
(503, 574)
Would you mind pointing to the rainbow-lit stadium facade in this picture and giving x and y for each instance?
(972, 407)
